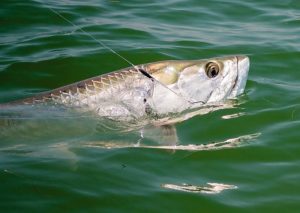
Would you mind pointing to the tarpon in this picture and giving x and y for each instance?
(154, 90)
(140, 98)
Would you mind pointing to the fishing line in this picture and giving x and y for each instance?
(91, 36)
(140, 70)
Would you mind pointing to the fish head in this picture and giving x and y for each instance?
(190, 84)
(201, 81)
(213, 80)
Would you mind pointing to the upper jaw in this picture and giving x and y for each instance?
(243, 64)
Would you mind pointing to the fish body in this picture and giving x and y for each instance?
(151, 91)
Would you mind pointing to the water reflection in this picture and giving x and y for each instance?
(229, 143)
(209, 188)
(26, 125)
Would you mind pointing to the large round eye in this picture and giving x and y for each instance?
(212, 69)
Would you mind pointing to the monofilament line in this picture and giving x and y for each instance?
(91, 36)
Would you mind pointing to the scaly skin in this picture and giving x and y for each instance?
(153, 89)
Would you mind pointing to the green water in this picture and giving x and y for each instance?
(52, 168)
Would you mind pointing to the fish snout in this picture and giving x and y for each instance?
(243, 64)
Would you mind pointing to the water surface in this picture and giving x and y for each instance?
(60, 165)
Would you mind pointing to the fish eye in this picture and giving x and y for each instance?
(212, 69)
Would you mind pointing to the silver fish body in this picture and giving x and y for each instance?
(153, 90)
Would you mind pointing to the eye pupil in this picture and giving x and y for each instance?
(212, 70)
